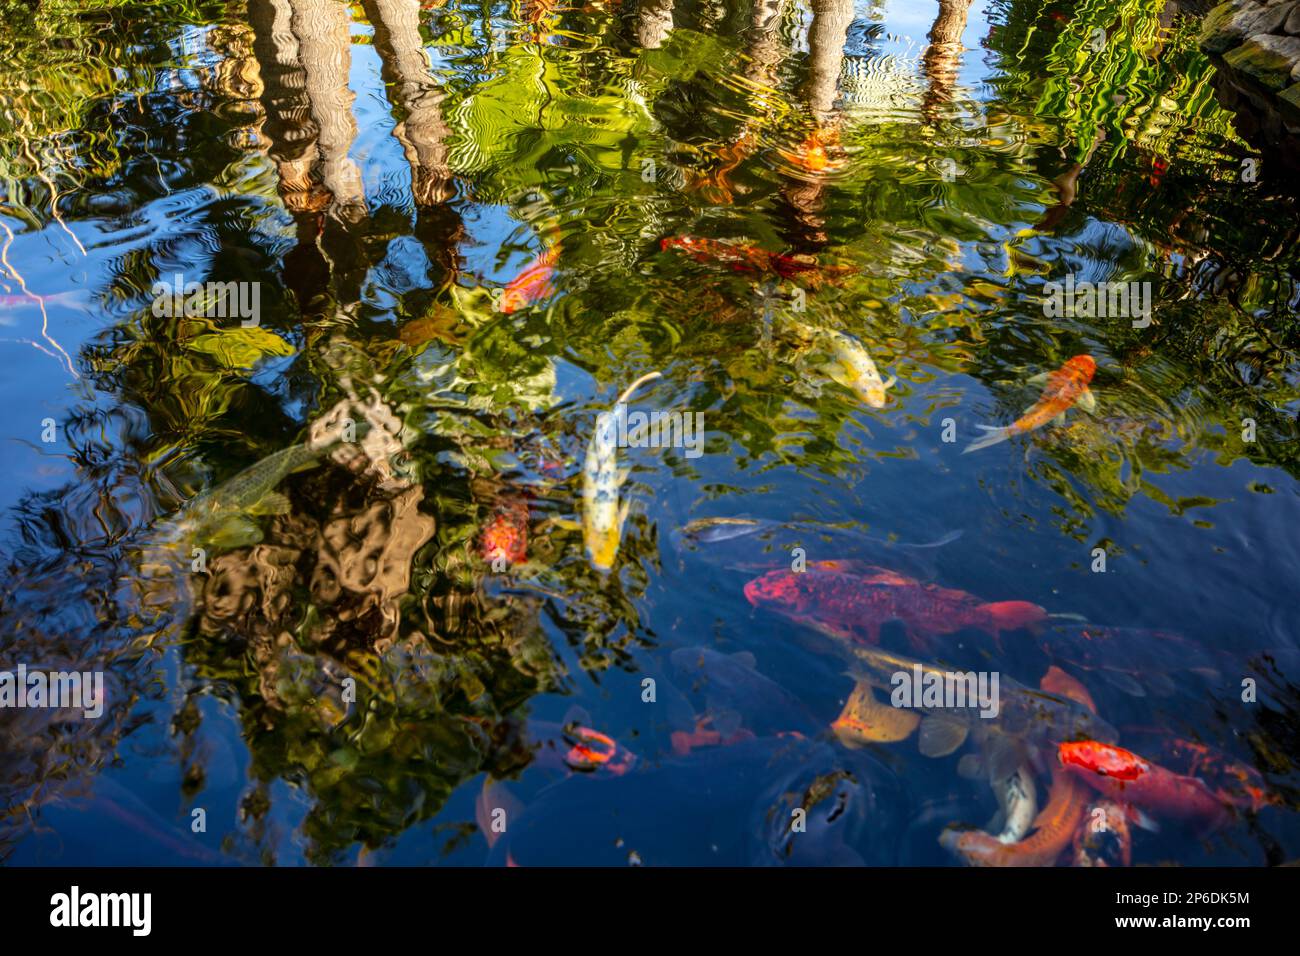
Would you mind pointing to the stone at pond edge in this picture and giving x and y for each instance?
(1291, 96)
(1266, 59)
(1229, 23)
(1293, 22)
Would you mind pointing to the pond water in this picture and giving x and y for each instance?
(455, 233)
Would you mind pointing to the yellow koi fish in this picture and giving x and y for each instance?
(602, 514)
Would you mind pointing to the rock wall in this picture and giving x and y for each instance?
(1256, 47)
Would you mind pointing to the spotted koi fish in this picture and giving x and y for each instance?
(602, 513)
(841, 598)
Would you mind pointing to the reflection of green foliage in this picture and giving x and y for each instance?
(1143, 86)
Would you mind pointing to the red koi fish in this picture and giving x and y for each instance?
(1055, 826)
(1125, 777)
(506, 536)
(532, 285)
(1063, 388)
(1233, 782)
(748, 259)
(1158, 169)
(704, 736)
(852, 605)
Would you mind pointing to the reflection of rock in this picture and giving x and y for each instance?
(1256, 47)
(359, 568)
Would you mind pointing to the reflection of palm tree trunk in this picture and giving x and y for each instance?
(325, 49)
(943, 57)
(765, 49)
(826, 37)
(288, 124)
(654, 21)
(423, 133)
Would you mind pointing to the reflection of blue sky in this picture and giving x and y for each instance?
(910, 20)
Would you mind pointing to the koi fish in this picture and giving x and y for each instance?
(830, 596)
(1104, 837)
(739, 257)
(865, 719)
(735, 692)
(602, 514)
(1062, 389)
(1158, 169)
(28, 301)
(1123, 776)
(811, 155)
(1134, 660)
(1017, 797)
(1232, 781)
(1025, 716)
(574, 747)
(704, 735)
(533, 284)
(1054, 828)
(506, 536)
(748, 259)
(849, 363)
(222, 516)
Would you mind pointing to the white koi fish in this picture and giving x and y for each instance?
(602, 514)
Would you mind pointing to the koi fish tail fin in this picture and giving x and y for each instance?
(991, 436)
(1014, 615)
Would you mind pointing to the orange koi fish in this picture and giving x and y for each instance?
(1063, 388)
(703, 735)
(811, 155)
(1055, 826)
(593, 750)
(533, 284)
(1124, 776)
